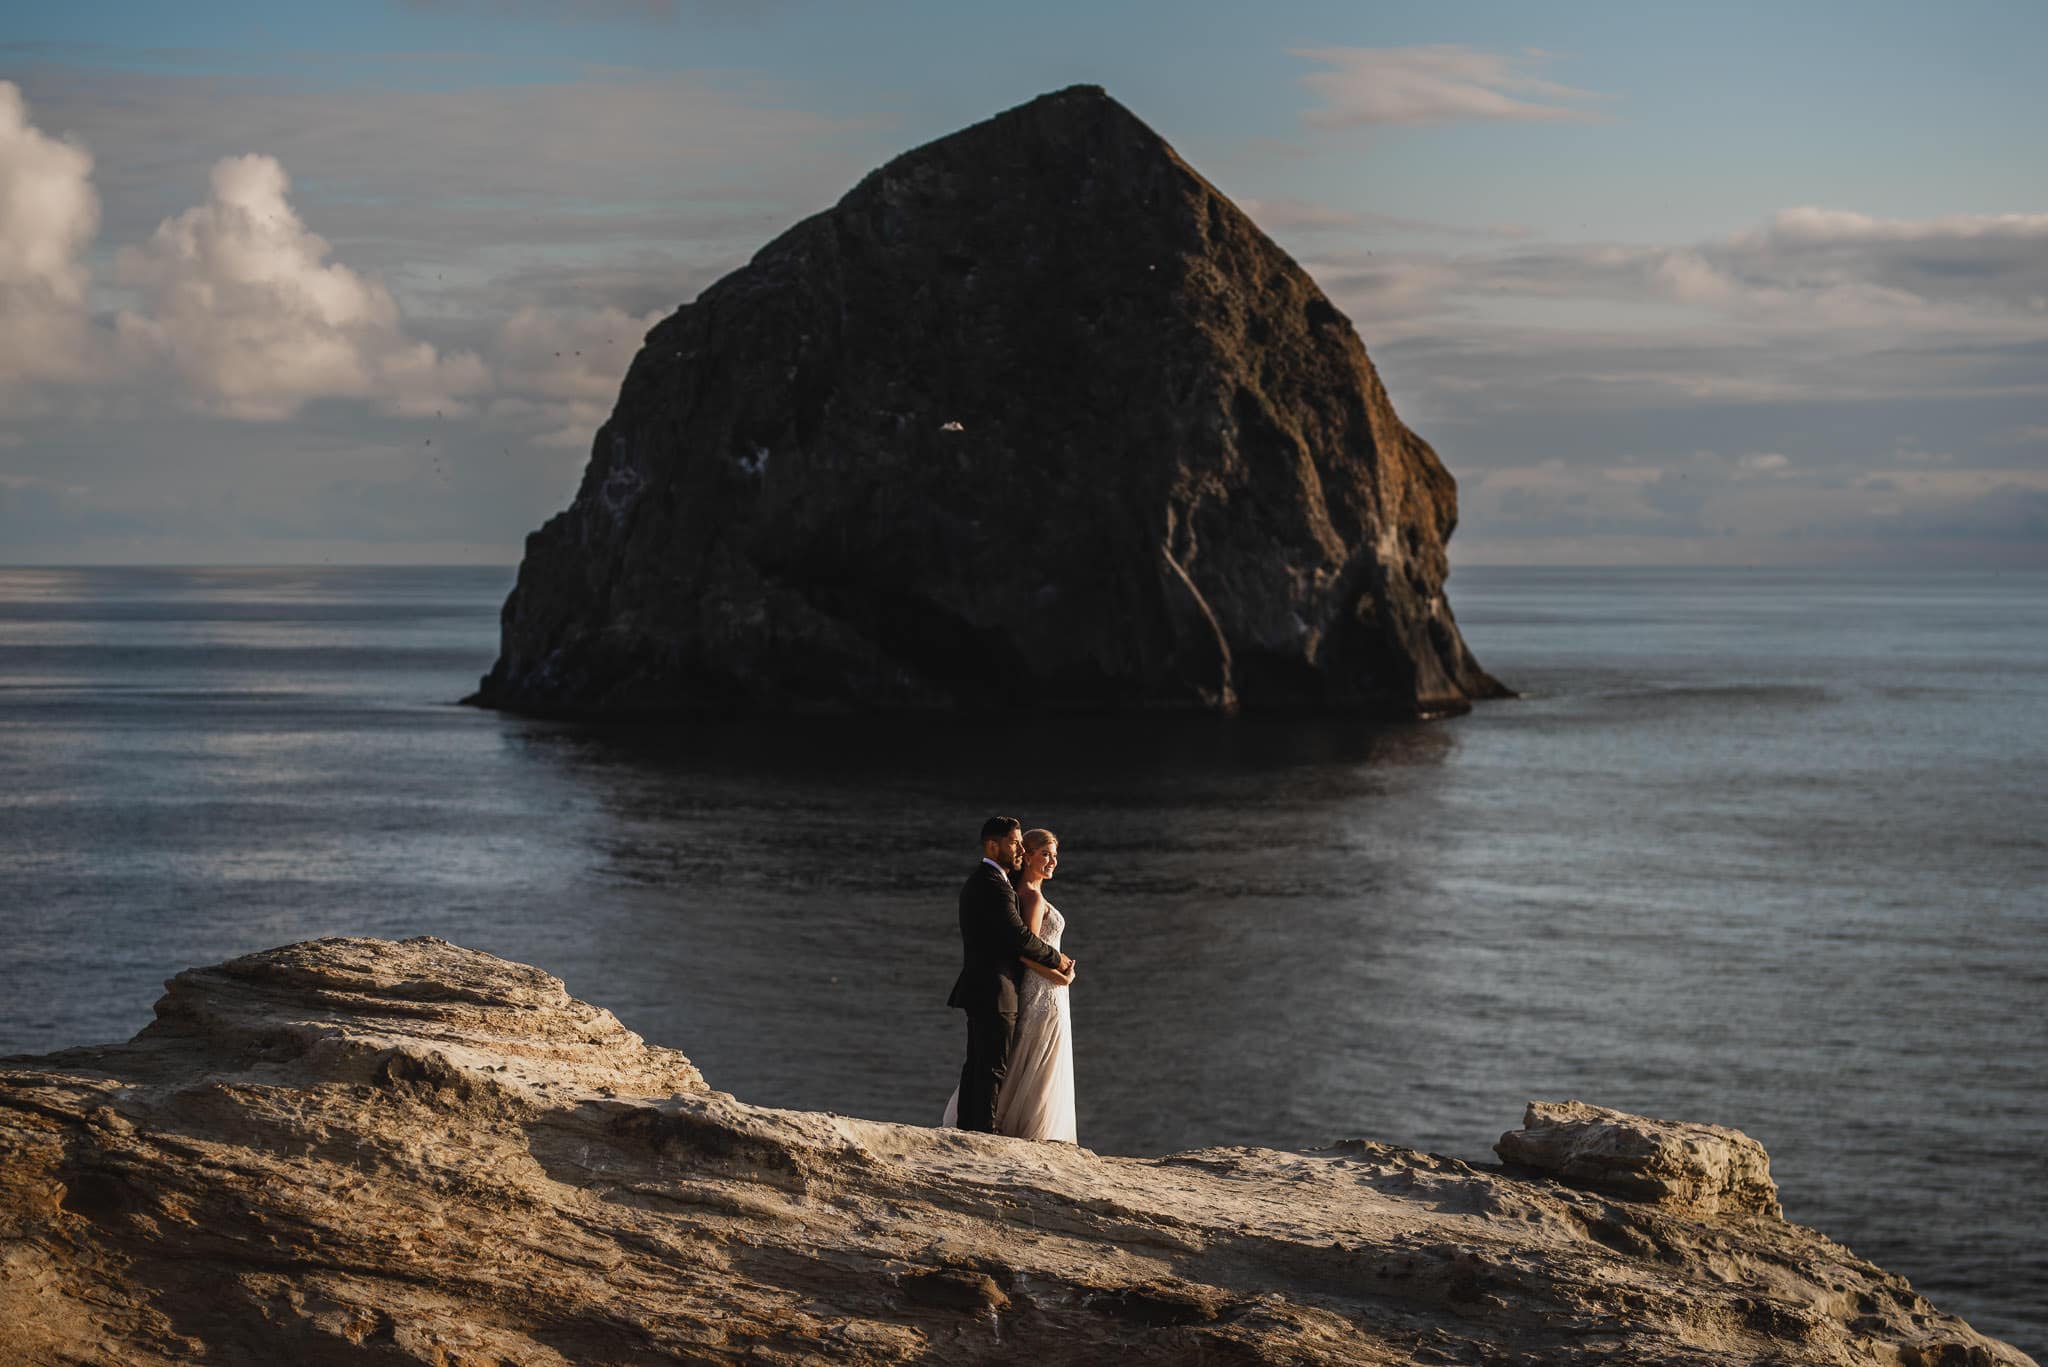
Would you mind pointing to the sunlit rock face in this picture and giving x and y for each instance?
(1033, 416)
(363, 1151)
(1670, 1162)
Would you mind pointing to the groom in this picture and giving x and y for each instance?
(995, 942)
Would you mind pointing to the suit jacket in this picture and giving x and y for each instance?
(994, 941)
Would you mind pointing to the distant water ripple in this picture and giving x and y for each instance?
(1758, 848)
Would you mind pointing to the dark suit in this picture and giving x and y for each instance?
(994, 941)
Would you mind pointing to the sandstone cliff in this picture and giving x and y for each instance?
(1034, 415)
(357, 1151)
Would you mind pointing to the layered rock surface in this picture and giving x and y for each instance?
(359, 1151)
(1034, 415)
(1706, 1167)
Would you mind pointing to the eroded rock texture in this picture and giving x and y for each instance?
(356, 1151)
(1034, 415)
(1673, 1162)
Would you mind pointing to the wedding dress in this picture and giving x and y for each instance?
(1036, 1100)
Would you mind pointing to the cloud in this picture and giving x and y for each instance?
(623, 190)
(400, 172)
(642, 11)
(1823, 387)
(2009, 513)
(49, 214)
(1995, 260)
(1437, 84)
(560, 371)
(1667, 494)
(1274, 215)
(1690, 278)
(36, 511)
(630, 281)
(1755, 394)
(1761, 463)
(1393, 291)
(1807, 308)
(1300, 215)
(1802, 270)
(243, 307)
(239, 305)
(1758, 498)
(1808, 263)
(239, 309)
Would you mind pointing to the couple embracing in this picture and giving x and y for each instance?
(1019, 1075)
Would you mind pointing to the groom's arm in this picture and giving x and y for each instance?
(1032, 906)
(1021, 942)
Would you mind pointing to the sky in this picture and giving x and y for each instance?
(1662, 284)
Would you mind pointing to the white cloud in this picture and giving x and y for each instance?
(241, 307)
(1671, 494)
(617, 157)
(1690, 278)
(410, 185)
(241, 310)
(1441, 83)
(1758, 463)
(1392, 291)
(244, 308)
(1809, 342)
(1806, 268)
(49, 213)
(559, 371)
(1812, 224)
(1831, 503)
(1997, 260)
(1809, 306)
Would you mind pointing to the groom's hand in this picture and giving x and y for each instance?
(1066, 964)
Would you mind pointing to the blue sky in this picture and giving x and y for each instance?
(1663, 284)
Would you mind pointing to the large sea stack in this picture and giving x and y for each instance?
(1034, 415)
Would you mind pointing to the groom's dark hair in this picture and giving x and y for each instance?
(996, 827)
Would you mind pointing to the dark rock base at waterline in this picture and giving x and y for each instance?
(1034, 416)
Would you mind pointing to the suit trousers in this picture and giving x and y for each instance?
(989, 1034)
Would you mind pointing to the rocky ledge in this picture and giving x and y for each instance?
(359, 1151)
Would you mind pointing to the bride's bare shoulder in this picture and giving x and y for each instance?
(1031, 906)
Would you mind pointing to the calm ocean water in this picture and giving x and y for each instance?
(1764, 849)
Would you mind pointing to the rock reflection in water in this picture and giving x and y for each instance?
(788, 891)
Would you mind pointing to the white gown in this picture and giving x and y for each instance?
(1036, 1100)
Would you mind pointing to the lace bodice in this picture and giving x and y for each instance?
(1035, 987)
(1050, 925)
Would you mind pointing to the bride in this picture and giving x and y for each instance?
(1036, 1099)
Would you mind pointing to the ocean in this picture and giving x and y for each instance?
(1762, 848)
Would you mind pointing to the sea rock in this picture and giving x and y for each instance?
(1673, 1162)
(1033, 416)
(357, 1151)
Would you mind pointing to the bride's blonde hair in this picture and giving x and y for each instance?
(1038, 837)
